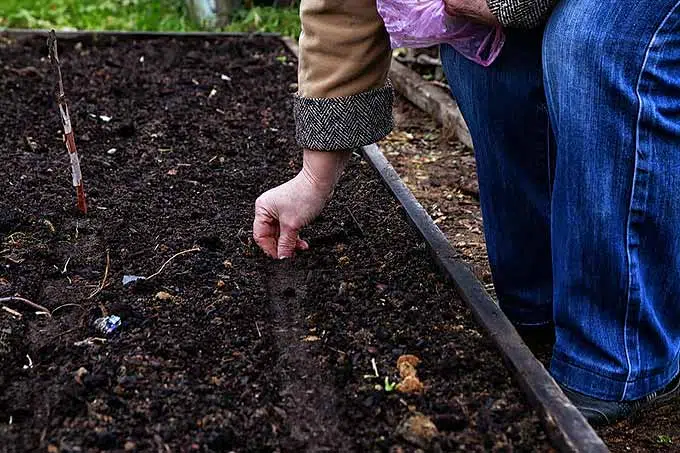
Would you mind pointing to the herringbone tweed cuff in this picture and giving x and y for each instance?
(350, 122)
(521, 13)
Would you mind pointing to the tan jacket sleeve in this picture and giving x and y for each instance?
(344, 98)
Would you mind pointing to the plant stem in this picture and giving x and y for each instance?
(66, 123)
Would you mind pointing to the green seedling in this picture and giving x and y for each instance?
(389, 386)
(664, 439)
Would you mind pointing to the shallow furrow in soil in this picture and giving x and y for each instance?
(307, 394)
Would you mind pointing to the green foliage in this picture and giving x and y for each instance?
(143, 15)
(285, 21)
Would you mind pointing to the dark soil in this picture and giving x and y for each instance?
(225, 350)
(442, 176)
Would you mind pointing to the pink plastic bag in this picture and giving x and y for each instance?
(424, 23)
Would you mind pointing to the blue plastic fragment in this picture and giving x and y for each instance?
(107, 324)
(128, 279)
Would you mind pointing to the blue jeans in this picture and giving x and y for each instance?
(576, 130)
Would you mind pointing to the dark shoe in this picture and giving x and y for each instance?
(601, 413)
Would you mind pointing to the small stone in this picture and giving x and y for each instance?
(311, 338)
(80, 374)
(130, 446)
(220, 283)
(227, 264)
(111, 151)
(31, 144)
(418, 430)
(51, 448)
(162, 295)
(172, 172)
(343, 261)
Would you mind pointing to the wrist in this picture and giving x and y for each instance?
(322, 169)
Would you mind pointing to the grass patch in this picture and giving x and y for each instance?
(144, 15)
(141, 15)
(285, 21)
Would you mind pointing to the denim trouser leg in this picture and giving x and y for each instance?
(504, 107)
(612, 76)
(613, 93)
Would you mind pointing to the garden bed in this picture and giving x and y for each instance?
(225, 350)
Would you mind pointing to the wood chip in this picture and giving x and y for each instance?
(163, 295)
(410, 384)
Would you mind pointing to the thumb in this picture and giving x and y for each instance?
(288, 240)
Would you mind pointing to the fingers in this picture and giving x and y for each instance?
(288, 242)
(268, 237)
(265, 230)
(302, 245)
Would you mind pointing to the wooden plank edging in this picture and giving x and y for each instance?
(432, 99)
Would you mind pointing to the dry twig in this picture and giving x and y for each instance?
(12, 312)
(356, 222)
(27, 302)
(195, 249)
(66, 124)
(106, 275)
(66, 305)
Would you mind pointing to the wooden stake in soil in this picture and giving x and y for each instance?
(66, 123)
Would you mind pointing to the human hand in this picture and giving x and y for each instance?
(477, 10)
(283, 211)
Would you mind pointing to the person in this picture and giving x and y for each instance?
(576, 130)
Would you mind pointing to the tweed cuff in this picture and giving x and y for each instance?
(521, 13)
(333, 124)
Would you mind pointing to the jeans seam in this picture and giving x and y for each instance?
(629, 222)
(565, 360)
(548, 161)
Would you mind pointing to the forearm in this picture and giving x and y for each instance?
(521, 13)
(323, 169)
